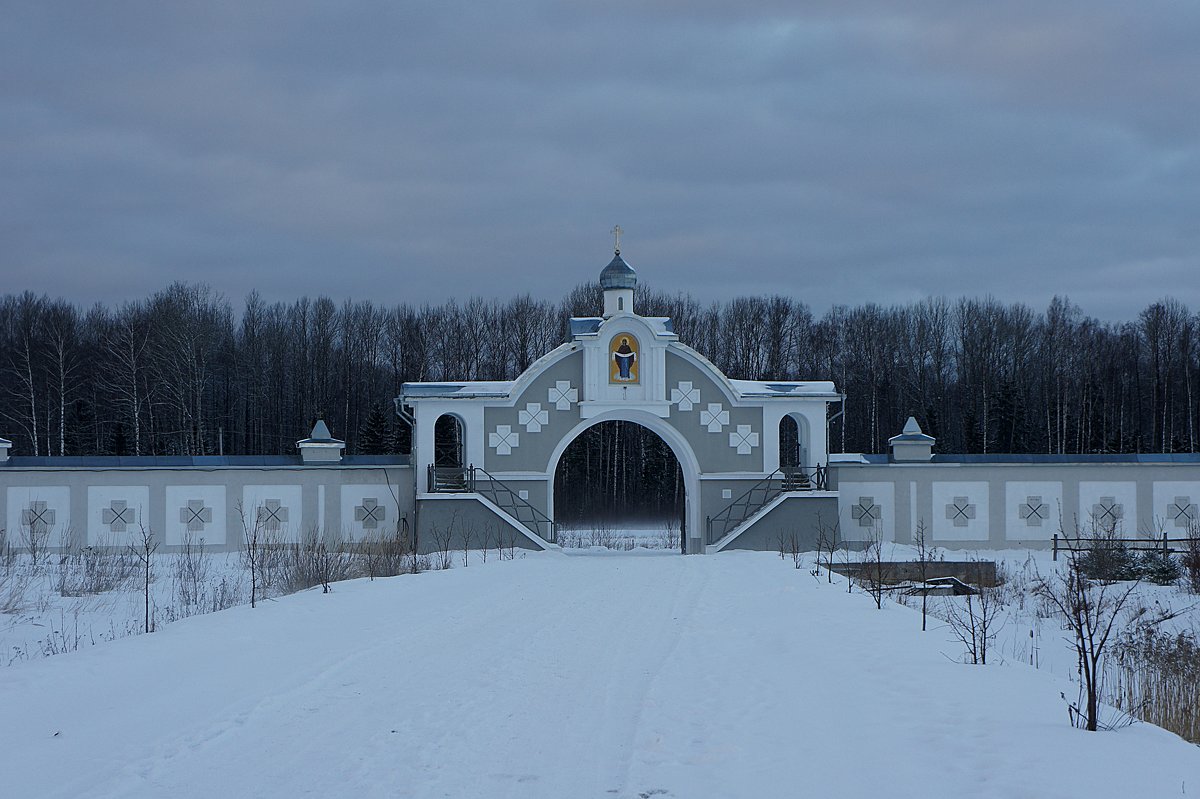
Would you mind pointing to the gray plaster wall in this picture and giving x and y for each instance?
(799, 516)
(534, 449)
(713, 449)
(320, 502)
(461, 520)
(1132, 499)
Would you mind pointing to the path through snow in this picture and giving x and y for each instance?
(555, 676)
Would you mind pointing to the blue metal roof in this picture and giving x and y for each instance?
(190, 461)
(1046, 458)
(585, 325)
(1113, 457)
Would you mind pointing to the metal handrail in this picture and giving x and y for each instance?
(449, 480)
(509, 501)
(781, 481)
(477, 480)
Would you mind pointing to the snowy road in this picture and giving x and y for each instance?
(561, 676)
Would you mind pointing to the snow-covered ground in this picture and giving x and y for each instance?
(733, 675)
(621, 538)
(62, 603)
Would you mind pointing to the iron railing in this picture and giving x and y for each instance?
(477, 480)
(781, 481)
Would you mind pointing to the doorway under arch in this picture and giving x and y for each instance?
(448, 442)
(619, 484)
(793, 442)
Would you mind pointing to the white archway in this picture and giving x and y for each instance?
(674, 440)
(798, 449)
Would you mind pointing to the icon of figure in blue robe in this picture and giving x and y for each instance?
(625, 358)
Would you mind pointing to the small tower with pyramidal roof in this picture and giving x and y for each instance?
(618, 281)
(912, 444)
(320, 446)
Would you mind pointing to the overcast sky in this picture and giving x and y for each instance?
(839, 152)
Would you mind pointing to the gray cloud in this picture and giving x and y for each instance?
(843, 153)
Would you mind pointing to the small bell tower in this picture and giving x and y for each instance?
(618, 281)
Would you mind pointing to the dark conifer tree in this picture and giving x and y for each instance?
(118, 441)
(375, 438)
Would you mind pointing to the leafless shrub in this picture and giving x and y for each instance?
(506, 543)
(225, 594)
(314, 563)
(468, 534)
(443, 537)
(191, 572)
(789, 544)
(143, 549)
(670, 535)
(601, 535)
(875, 572)
(1091, 611)
(975, 620)
(387, 555)
(35, 539)
(93, 570)
(62, 637)
(260, 554)
(14, 585)
(925, 554)
(827, 541)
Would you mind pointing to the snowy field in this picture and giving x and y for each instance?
(733, 675)
(621, 538)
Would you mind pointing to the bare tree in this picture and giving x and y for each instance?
(143, 549)
(976, 622)
(827, 540)
(253, 536)
(925, 554)
(875, 572)
(1091, 611)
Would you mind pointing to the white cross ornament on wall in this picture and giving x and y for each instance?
(533, 417)
(504, 440)
(685, 395)
(744, 439)
(562, 394)
(714, 417)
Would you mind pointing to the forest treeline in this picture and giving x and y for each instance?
(186, 372)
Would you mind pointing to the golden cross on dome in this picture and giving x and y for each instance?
(616, 231)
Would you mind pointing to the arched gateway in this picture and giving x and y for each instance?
(724, 433)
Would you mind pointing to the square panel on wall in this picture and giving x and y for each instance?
(1176, 507)
(43, 512)
(863, 507)
(116, 515)
(367, 512)
(195, 513)
(275, 510)
(960, 511)
(1105, 507)
(1032, 510)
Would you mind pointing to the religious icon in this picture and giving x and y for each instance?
(623, 366)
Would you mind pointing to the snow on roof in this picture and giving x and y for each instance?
(464, 389)
(912, 434)
(774, 388)
(590, 325)
(188, 461)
